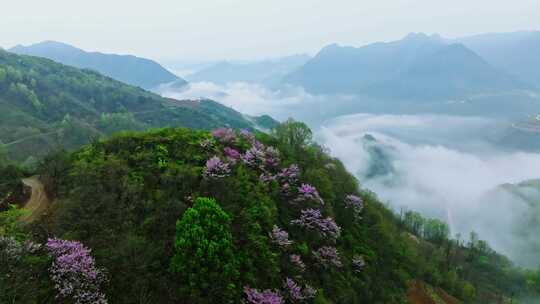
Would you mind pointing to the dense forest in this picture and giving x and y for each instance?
(230, 216)
(44, 105)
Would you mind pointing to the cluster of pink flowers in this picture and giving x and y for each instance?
(216, 168)
(74, 272)
(312, 219)
(296, 260)
(254, 296)
(307, 192)
(280, 237)
(358, 263)
(296, 293)
(355, 203)
(328, 256)
(224, 135)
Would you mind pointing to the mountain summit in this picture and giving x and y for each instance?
(417, 66)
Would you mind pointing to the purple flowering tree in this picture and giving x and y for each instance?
(224, 135)
(216, 168)
(328, 256)
(296, 293)
(307, 192)
(74, 272)
(231, 154)
(312, 219)
(248, 135)
(355, 203)
(271, 157)
(267, 177)
(255, 158)
(261, 157)
(254, 296)
(290, 175)
(280, 237)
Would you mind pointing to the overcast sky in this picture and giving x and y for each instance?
(192, 30)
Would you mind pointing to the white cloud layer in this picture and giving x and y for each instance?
(441, 169)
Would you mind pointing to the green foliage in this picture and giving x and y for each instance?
(130, 199)
(205, 257)
(44, 104)
(293, 136)
(10, 224)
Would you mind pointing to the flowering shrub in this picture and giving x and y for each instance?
(255, 158)
(290, 175)
(267, 177)
(74, 272)
(215, 168)
(312, 219)
(355, 203)
(232, 154)
(296, 293)
(280, 237)
(309, 193)
(267, 296)
(358, 263)
(296, 260)
(261, 157)
(224, 135)
(247, 135)
(328, 256)
(272, 157)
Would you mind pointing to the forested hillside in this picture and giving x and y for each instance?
(187, 216)
(44, 104)
(132, 70)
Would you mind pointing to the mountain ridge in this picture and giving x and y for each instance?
(130, 69)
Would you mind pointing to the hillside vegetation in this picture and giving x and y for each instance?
(132, 70)
(189, 216)
(44, 104)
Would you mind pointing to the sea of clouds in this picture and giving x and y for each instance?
(445, 167)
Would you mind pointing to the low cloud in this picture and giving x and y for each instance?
(443, 166)
(255, 99)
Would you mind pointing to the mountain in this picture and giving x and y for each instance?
(516, 53)
(129, 69)
(43, 103)
(262, 72)
(416, 67)
(449, 72)
(191, 216)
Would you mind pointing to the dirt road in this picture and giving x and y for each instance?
(38, 201)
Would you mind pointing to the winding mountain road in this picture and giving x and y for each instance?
(38, 201)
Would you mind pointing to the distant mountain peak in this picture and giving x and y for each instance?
(129, 69)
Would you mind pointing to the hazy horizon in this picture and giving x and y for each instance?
(204, 30)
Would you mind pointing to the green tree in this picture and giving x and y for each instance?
(293, 135)
(205, 256)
